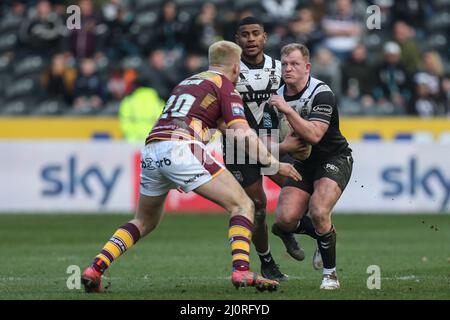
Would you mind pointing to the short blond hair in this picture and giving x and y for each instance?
(287, 49)
(224, 53)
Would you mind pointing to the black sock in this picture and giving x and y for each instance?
(265, 258)
(327, 246)
(306, 227)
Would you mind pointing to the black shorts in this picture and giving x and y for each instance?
(245, 174)
(338, 168)
(248, 174)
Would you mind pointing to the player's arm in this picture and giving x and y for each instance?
(242, 133)
(291, 143)
(314, 129)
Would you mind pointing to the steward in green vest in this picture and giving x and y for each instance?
(139, 112)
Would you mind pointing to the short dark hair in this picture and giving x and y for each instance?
(250, 20)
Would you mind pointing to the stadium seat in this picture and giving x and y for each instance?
(16, 107)
(49, 107)
(111, 109)
(145, 19)
(22, 87)
(29, 65)
(8, 41)
(132, 62)
(145, 4)
(437, 41)
(81, 112)
(440, 21)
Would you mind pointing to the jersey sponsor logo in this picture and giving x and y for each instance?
(237, 109)
(243, 82)
(150, 164)
(323, 108)
(72, 179)
(119, 243)
(189, 82)
(267, 120)
(194, 178)
(273, 80)
(329, 167)
(256, 96)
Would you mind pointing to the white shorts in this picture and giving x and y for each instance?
(176, 164)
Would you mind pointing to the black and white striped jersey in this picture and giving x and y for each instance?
(256, 84)
(316, 102)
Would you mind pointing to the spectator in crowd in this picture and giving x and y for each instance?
(204, 29)
(58, 81)
(157, 69)
(192, 64)
(404, 36)
(88, 89)
(280, 9)
(171, 32)
(13, 15)
(342, 29)
(303, 29)
(117, 85)
(393, 90)
(276, 39)
(86, 41)
(327, 68)
(119, 19)
(42, 32)
(411, 11)
(318, 9)
(139, 111)
(357, 77)
(429, 99)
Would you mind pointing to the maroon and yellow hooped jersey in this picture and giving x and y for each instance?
(196, 105)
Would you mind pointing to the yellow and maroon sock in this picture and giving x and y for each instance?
(122, 240)
(239, 235)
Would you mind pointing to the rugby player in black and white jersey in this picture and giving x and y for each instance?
(259, 78)
(310, 107)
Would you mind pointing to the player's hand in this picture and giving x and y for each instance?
(279, 103)
(288, 170)
(292, 143)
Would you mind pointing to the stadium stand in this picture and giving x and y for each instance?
(401, 69)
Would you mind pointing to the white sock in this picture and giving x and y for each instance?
(329, 271)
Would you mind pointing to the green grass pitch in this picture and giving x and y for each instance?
(188, 257)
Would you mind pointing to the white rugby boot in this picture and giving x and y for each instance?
(330, 282)
(317, 260)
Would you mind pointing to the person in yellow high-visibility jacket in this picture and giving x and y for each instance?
(139, 112)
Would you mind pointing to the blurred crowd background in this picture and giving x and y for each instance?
(403, 68)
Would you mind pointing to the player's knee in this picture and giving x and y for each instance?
(320, 217)
(287, 221)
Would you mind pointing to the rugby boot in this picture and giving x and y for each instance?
(330, 282)
(271, 270)
(92, 280)
(291, 244)
(252, 279)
